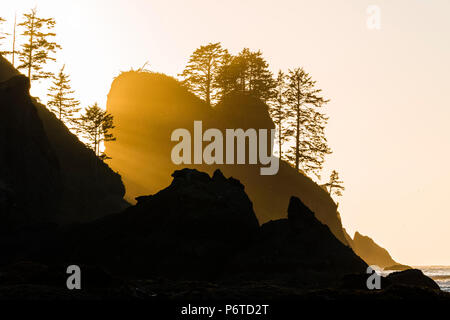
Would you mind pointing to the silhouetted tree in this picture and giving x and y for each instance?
(247, 72)
(308, 123)
(201, 71)
(2, 35)
(334, 186)
(36, 50)
(13, 52)
(278, 109)
(94, 126)
(61, 102)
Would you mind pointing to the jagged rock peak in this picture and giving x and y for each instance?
(190, 176)
(297, 210)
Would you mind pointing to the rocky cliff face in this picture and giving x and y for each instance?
(299, 249)
(371, 252)
(46, 173)
(30, 177)
(90, 189)
(148, 107)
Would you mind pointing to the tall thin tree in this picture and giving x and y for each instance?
(304, 100)
(61, 102)
(35, 52)
(13, 52)
(2, 35)
(278, 109)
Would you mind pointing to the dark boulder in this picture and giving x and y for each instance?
(411, 278)
(299, 249)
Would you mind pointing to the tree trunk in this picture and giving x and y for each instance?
(297, 139)
(14, 40)
(30, 53)
(279, 133)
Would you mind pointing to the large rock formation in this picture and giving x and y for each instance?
(299, 249)
(30, 178)
(188, 230)
(371, 252)
(203, 227)
(147, 107)
(198, 228)
(46, 173)
(90, 189)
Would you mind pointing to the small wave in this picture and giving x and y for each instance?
(441, 277)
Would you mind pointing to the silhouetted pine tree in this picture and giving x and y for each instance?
(61, 102)
(334, 186)
(308, 124)
(36, 49)
(94, 126)
(247, 72)
(278, 109)
(201, 71)
(2, 36)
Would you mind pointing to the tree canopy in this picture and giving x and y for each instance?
(61, 101)
(201, 71)
(36, 51)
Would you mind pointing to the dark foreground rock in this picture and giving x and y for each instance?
(412, 278)
(204, 228)
(30, 179)
(198, 239)
(188, 230)
(164, 290)
(299, 249)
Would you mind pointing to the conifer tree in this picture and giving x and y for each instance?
(2, 36)
(61, 101)
(94, 125)
(334, 186)
(36, 50)
(201, 71)
(278, 110)
(308, 123)
(248, 72)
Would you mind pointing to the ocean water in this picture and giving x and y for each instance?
(440, 274)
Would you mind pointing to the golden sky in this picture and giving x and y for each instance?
(389, 88)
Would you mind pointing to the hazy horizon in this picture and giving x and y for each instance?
(388, 88)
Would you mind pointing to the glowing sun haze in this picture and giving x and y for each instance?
(389, 89)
